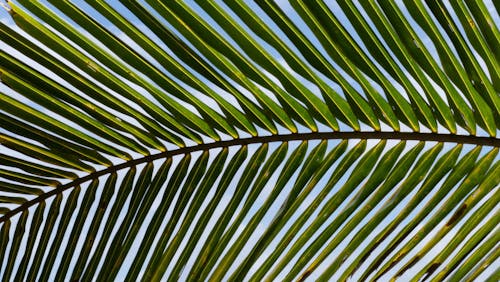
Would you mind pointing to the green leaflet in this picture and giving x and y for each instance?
(210, 245)
(23, 189)
(101, 74)
(209, 178)
(335, 100)
(196, 36)
(200, 64)
(67, 214)
(136, 60)
(27, 179)
(316, 59)
(397, 174)
(61, 153)
(118, 203)
(97, 219)
(187, 191)
(4, 239)
(265, 173)
(113, 258)
(224, 183)
(44, 237)
(489, 251)
(491, 181)
(305, 174)
(16, 244)
(81, 217)
(175, 181)
(36, 169)
(289, 167)
(331, 158)
(33, 233)
(442, 166)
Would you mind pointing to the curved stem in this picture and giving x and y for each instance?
(435, 137)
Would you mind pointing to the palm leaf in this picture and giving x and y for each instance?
(233, 140)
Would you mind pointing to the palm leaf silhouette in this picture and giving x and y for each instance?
(241, 140)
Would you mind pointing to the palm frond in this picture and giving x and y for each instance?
(233, 140)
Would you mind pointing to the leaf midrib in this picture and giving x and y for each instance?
(416, 136)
